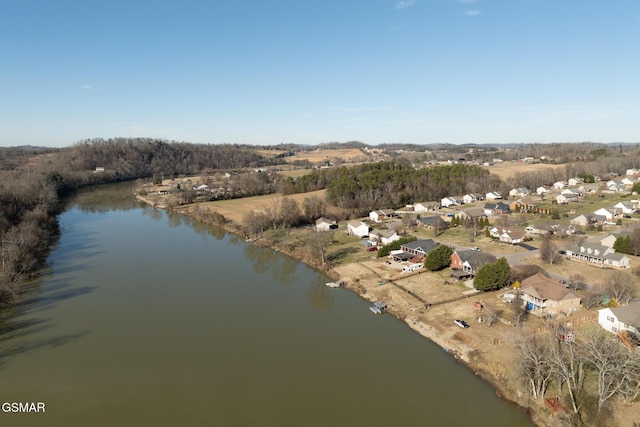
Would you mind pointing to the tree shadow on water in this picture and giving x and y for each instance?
(38, 298)
(17, 337)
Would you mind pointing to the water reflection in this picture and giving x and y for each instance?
(320, 295)
(103, 198)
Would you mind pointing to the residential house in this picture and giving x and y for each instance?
(473, 214)
(571, 192)
(433, 222)
(509, 236)
(609, 240)
(357, 228)
(472, 198)
(324, 224)
(519, 192)
(419, 247)
(628, 182)
(563, 199)
(627, 208)
(381, 214)
(384, 236)
(450, 201)
(496, 208)
(426, 207)
(587, 220)
(559, 185)
(525, 204)
(467, 263)
(615, 186)
(599, 255)
(609, 214)
(575, 181)
(623, 318)
(588, 188)
(493, 195)
(542, 191)
(544, 296)
(632, 172)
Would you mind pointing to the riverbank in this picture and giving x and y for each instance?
(488, 352)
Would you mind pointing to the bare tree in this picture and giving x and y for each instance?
(607, 357)
(621, 286)
(577, 281)
(549, 251)
(591, 299)
(319, 243)
(534, 362)
(568, 366)
(630, 388)
(313, 208)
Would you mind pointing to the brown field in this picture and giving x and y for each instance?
(508, 169)
(235, 209)
(346, 155)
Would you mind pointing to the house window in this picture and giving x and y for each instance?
(611, 319)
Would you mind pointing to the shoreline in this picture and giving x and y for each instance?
(366, 290)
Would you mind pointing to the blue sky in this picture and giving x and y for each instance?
(314, 71)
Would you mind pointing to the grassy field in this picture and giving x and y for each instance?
(235, 209)
(508, 169)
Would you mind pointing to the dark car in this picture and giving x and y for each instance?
(372, 248)
(461, 323)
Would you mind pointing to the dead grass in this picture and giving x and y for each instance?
(508, 169)
(236, 209)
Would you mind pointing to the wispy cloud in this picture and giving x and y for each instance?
(402, 4)
(86, 87)
(472, 12)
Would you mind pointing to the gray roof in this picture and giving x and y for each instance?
(476, 259)
(425, 245)
(629, 314)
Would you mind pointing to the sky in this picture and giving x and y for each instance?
(317, 71)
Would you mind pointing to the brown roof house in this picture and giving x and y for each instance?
(467, 263)
(543, 296)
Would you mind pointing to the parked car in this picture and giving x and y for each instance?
(461, 323)
(372, 248)
(475, 248)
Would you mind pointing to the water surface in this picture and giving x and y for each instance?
(147, 318)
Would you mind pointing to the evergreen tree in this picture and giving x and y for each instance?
(438, 258)
(622, 244)
(492, 276)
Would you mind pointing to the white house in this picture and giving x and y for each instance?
(617, 319)
(626, 207)
(627, 181)
(384, 236)
(599, 255)
(324, 224)
(559, 185)
(450, 201)
(575, 181)
(571, 192)
(472, 198)
(493, 195)
(357, 228)
(542, 190)
(425, 207)
(609, 214)
(519, 192)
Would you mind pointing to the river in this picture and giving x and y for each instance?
(145, 318)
